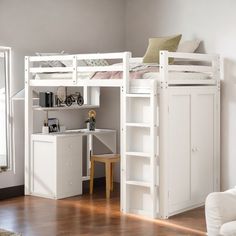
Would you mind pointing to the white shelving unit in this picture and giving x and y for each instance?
(140, 149)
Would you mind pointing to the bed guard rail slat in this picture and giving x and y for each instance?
(117, 55)
(192, 56)
(99, 68)
(51, 58)
(192, 68)
(50, 69)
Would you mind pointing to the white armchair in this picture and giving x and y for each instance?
(220, 212)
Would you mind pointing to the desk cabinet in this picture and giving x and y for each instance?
(56, 166)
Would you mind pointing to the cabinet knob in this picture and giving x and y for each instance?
(195, 149)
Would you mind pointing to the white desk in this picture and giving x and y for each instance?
(56, 161)
(106, 136)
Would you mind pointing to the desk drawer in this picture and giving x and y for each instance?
(69, 165)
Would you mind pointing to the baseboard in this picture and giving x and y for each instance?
(10, 192)
(98, 182)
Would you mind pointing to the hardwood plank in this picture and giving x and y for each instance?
(90, 215)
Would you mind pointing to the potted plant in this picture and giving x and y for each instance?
(91, 120)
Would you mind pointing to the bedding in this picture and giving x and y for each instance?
(137, 71)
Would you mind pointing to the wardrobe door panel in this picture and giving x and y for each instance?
(179, 150)
(202, 158)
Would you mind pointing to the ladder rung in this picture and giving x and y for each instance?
(139, 183)
(142, 125)
(138, 95)
(139, 154)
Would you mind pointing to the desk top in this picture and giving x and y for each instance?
(82, 132)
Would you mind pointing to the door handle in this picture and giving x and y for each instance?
(195, 149)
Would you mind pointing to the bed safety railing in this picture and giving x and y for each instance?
(189, 62)
(33, 62)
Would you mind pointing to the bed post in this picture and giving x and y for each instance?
(123, 91)
(163, 152)
(217, 74)
(28, 126)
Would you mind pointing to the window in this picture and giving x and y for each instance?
(4, 108)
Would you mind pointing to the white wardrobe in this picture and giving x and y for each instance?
(193, 146)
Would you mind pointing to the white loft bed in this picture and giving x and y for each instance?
(169, 126)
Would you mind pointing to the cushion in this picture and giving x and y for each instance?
(157, 44)
(96, 62)
(64, 63)
(220, 208)
(50, 63)
(189, 46)
(228, 229)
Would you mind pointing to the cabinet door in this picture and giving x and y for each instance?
(43, 168)
(179, 149)
(69, 170)
(203, 131)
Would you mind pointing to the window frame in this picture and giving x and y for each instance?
(9, 151)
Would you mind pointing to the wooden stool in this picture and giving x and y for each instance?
(108, 160)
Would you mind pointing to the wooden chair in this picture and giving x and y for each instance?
(108, 160)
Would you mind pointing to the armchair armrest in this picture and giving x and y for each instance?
(219, 209)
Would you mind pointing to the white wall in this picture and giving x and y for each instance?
(75, 26)
(82, 26)
(214, 23)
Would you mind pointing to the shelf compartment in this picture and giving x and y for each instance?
(139, 200)
(138, 170)
(138, 110)
(138, 140)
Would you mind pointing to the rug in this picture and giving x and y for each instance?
(8, 233)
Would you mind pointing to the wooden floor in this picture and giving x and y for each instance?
(85, 215)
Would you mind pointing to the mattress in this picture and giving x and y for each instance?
(148, 75)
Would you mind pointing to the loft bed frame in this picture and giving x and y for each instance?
(150, 193)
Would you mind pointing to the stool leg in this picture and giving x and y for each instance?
(108, 179)
(112, 171)
(91, 177)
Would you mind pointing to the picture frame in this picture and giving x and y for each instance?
(53, 125)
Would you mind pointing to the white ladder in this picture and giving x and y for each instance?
(139, 160)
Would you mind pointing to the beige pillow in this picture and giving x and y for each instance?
(189, 46)
(157, 44)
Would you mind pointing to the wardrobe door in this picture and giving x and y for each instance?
(179, 149)
(202, 158)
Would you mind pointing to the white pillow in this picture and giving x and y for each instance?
(50, 63)
(189, 46)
